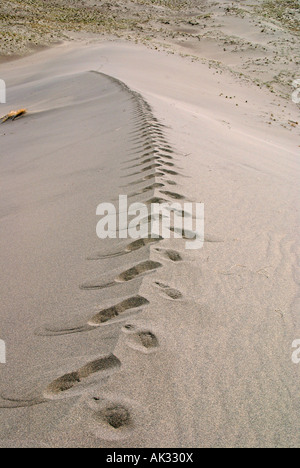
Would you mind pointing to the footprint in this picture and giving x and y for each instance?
(140, 339)
(153, 133)
(129, 275)
(112, 418)
(164, 158)
(153, 166)
(168, 171)
(140, 181)
(169, 292)
(113, 312)
(155, 200)
(170, 254)
(147, 161)
(69, 385)
(117, 416)
(152, 187)
(142, 163)
(147, 339)
(89, 286)
(174, 195)
(171, 182)
(63, 384)
(144, 147)
(138, 158)
(185, 233)
(181, 212)
(162, 155)
(105, 315)
(132, 247)
(151, 176)
(74, 382)
(213, 240)
(138, 270)
(140, 127)
(138, 244)
(132, 174)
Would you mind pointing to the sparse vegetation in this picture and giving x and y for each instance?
(286, 12)
(43, 21)
(191, 28)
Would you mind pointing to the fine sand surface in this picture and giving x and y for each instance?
(257, 40)
(114, 344)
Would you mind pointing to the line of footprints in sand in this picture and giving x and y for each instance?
(156, 166)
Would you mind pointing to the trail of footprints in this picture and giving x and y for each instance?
(155, 165)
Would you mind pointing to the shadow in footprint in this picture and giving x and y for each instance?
(132, 247)
(171, 293)
(172, 255)
(75, 381)
(175, 196)
(69, 385)
(140, 339)
(110, 417)
(105, 315)
(152, 187)
(138, 270)
(128, 275)
(116, 416)
(111, 313)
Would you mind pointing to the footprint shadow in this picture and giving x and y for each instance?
(168, 292)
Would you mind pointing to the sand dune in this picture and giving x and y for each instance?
(123, 343)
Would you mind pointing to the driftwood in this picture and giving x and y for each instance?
(13, 115)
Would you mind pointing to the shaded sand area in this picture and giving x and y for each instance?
(116, 343)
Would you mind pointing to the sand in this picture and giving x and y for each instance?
(111, 345)
(257, 40)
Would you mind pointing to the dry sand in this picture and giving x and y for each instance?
(189, 353)
(257, 40)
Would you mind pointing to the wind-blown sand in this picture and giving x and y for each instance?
(197, 353)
